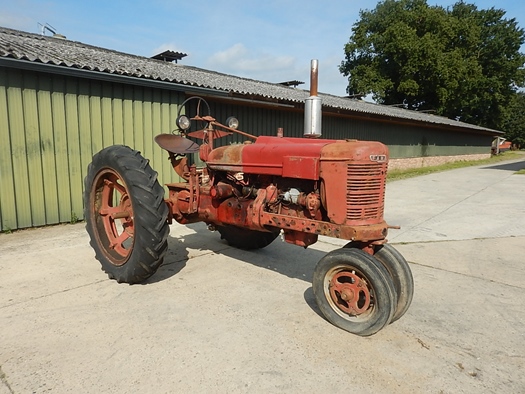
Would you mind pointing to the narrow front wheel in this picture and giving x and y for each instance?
(399, 272)
(401, 275)
(354, 291)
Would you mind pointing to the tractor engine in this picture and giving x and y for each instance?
(306, 187)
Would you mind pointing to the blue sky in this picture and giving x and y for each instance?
(271, 40)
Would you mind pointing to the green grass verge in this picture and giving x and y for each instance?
(396, 175)
(522, 172)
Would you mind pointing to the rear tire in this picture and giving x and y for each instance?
(125, 213)
(354, 291)
(247, 239)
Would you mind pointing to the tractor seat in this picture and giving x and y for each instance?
(176, 144)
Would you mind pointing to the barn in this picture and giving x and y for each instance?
(62, 101)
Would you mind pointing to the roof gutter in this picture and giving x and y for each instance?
(104, 76)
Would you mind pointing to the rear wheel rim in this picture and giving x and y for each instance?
(113, 212)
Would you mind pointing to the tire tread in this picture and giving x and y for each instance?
(150, 213)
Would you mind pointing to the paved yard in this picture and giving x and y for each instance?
(220, 320)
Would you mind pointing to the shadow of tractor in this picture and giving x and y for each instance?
(196, 240)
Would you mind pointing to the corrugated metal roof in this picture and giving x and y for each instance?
(21, 45)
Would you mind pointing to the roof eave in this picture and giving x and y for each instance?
(105, 76)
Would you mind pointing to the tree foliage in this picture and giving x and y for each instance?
(461, 62)
(514, 125)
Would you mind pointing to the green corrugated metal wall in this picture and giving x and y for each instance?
(254, 120)
(51, 125)
(407, 141)
(403, 141)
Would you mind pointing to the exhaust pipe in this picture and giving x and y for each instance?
(312, 105)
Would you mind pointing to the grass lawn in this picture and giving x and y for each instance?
(395, 175)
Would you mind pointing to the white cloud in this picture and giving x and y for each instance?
(242, 61)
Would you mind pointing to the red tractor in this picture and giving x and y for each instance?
(251, 193)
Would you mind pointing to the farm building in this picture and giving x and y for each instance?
(62, 101)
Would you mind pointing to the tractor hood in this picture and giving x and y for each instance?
(290, 157)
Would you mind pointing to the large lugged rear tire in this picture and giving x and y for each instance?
(247, 239)
(125, 213)
(354, 291)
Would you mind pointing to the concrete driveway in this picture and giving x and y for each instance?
(220, 320)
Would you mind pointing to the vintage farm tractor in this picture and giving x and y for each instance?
(251, 193)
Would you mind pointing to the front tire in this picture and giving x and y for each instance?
(354, 291)
(125, 213)
(401, 274)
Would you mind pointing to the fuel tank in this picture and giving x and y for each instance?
(292, 157)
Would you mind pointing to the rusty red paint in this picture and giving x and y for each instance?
(299, 238)
(226, 158)
(283, 157)
(221, 191)
(363, 233)
(116, 220)
(349, 292)
(349, 174)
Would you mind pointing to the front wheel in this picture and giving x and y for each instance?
(399, 272)
(354, 291)
(125, 213)
(401, 275)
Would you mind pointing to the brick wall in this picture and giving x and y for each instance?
(417, 162)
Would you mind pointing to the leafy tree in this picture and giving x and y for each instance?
(514, 125)
(461, 62)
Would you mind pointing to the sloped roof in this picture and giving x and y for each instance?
(36, 48)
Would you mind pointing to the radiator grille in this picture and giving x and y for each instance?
(365, 185)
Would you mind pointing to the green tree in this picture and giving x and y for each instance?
(514, 125)
(461, 62)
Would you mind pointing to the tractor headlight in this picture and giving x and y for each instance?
(232, 122)
(183, 122)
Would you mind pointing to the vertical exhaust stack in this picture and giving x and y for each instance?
(312, 105)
